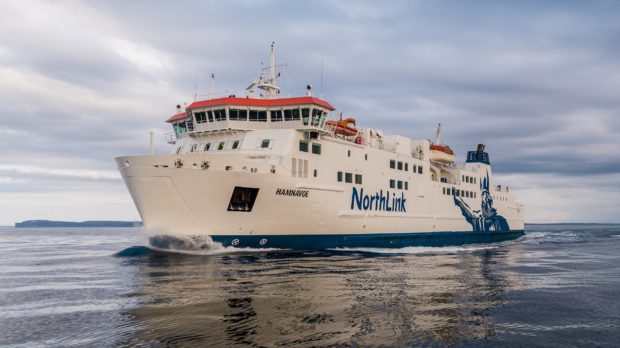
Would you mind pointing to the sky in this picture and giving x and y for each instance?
(538, 82)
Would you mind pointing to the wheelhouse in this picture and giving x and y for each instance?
(242, 114)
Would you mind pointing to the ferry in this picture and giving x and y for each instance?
(264, 171)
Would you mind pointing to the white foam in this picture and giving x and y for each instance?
(216, 251)
(205, 245)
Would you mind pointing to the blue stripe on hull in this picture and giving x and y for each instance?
(376, 240)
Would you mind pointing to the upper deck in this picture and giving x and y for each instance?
(232, 113)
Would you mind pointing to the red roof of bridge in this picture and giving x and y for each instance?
(253, 102)
(177, 117)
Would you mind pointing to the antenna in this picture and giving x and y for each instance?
(212, 93)
(438, 136)
(322, 61)
(196, 89)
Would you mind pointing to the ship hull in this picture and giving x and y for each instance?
(181, 204)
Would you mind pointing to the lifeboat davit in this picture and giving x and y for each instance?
(343, 127)
(442, 154)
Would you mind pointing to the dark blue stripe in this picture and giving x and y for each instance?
(375, 240)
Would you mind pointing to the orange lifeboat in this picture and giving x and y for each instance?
(343, 127)
(443, 148)
(442, 154)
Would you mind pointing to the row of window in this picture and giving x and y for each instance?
(348, 178)
(318, 116)
(468, 179)
(399, 184)
(365, 155)
(265, 144)
(498, 198)
(451, 191)
(405, 166)
(304, 144)
(207, 147)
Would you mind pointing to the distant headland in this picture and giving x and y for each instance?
(50, 223)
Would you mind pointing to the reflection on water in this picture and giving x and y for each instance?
(321, 298)
(557, 286)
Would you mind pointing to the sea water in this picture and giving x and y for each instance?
(557, 286)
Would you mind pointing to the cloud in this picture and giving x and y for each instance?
(84, 82)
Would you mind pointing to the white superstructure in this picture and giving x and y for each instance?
(263, 171)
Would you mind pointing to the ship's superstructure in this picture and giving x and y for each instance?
(264, 171)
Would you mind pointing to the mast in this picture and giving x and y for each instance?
(269, 83)
(438, 136)
(272, 66)
(212, 93)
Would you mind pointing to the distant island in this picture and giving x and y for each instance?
(49, 223)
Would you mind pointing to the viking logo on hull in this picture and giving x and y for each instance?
(379, 201)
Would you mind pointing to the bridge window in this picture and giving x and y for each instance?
(219, 115)
(207, 147)
(210, 115)
(358, 179)
(291, 115)
(238, 115)
(339, 176)
(276, 115)
(316, 117)
(303, 146)
(243, 115)
(258, 116)
(392, 164)
(316, 148)
(201, 117)
(305, 114)
(348, 178)
(190, 126)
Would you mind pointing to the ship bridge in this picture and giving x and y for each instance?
(242, 114)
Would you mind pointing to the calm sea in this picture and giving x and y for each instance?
(558, 286)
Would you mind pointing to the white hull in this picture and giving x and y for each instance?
(192, 201)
